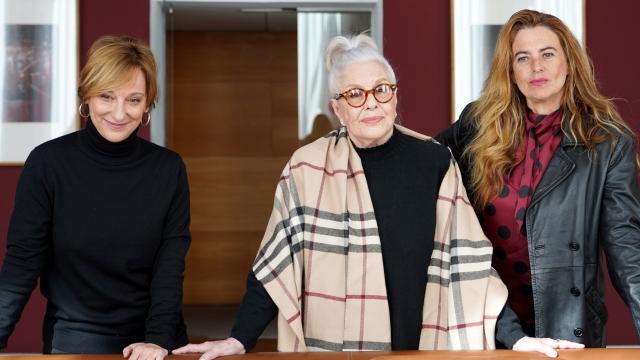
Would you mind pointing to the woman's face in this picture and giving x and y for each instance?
(372, 123)
(539, 68)
(116, 114)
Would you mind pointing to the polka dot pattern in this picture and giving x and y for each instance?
(504, 216)
(504, 232)
(520, 267)
(499, 253)
(490, 209)
(524, 192)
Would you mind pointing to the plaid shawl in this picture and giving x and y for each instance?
(320, 260)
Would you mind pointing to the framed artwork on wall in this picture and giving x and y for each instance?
(475, 26)
(38, 72)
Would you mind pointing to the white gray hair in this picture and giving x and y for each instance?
(343, 51)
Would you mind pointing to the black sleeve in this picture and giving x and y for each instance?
(256, 312)
(165, 311)
(459, 134)
(620, 225)
(508, 328)
(457, 137)
(27, 243)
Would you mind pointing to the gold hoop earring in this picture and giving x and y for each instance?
(83, 106)
(146, 118)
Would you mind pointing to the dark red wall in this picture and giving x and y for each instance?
(113, 17)
(26, 336)
(96, 18)
(611, 35)
(612, 30)
(417, 43)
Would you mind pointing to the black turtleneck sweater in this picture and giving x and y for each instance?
(404, 177)
(106, 228)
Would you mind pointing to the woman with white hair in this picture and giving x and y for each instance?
(372, 243)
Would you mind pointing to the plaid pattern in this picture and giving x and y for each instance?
(320, 260)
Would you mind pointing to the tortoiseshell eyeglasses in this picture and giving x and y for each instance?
(356, 97)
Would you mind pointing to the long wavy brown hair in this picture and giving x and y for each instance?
(499, 113)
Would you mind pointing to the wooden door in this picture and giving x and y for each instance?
(232, 115)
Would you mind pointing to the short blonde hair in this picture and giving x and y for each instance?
(111, 63)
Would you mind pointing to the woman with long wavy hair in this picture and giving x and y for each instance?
(552, 168)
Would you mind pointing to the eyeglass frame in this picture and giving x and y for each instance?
(393, 87)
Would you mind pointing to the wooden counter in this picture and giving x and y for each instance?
(586, 354)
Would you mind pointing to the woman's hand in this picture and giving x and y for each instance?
(213, 349)
(546, 346)
(144, 351)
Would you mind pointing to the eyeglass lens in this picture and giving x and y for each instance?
(357, 97)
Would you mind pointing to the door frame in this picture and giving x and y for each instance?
(157, 32)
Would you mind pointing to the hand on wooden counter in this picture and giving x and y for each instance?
(546, 346)
(213, 349)
(144, 351)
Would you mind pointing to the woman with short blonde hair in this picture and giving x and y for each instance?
(101, 217)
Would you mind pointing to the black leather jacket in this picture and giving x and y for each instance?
(585, 203)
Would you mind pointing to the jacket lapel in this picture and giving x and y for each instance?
(560, 167)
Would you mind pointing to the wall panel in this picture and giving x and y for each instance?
(233, 117)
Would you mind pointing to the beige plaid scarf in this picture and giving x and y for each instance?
(320, 260)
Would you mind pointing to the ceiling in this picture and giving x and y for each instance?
(202, 16)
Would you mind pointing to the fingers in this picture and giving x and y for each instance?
(547, 350)
(213, 349)
(193, 348)
(144, 351)
(566, 344)
(545, 346)
(127, 351)
(561, 344)
(553, 343)
(184, 349)
(212, 354)
(135, 353)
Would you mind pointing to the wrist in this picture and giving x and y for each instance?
(236, 344)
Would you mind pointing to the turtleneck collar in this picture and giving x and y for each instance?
(381, 151)
(105, 150)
